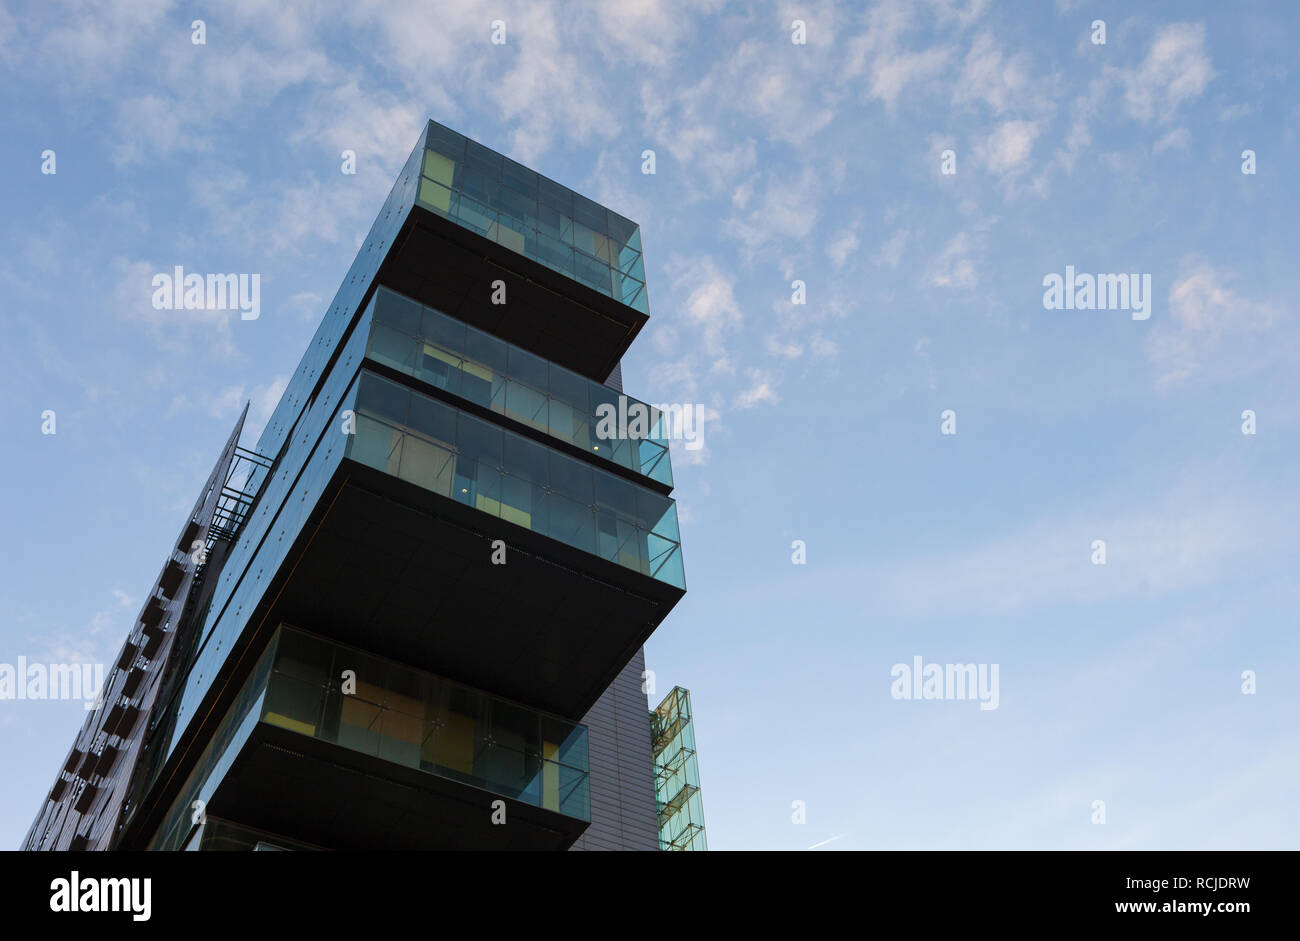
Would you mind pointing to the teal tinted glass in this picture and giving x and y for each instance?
(504, 201)
(420, 720)
(408, 434)
(513, 382)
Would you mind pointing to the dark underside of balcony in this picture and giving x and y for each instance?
(451, 268)
(323, 793)
(407, 574)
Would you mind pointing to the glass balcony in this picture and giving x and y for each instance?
(452, 453)
(474, 365)
(488, 193)
(423, 721)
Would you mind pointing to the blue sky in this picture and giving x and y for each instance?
(774, 162)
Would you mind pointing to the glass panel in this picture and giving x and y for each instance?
(373, 442)
(528, 367)
(473, 214)
(568, 425)
(523, 481)
(382, 397)
(620, 230)
(440, 368)
(435, 196)
(572, 478)
(631, 290)
(438, 167)
(520, 207)
(572, 523)
(522, 503)
(554, 195)
(526, 405)
(446, 141)
(554, 253)
(591, 272)
(632, 265)
(399, 312)
(392, 348)
(443, 331)
(590, 214)
(520, 178)
(486, 350)
(574, 791)
(419, 720)
(293, 704)
(569, 387)
(659, 513)
(525, 458)
(433, 420)
(304, 657)
(555, 224)
(426, 464)
(479, 440)
(666, 562)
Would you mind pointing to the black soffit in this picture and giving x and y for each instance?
(452, 269)
(407, 574)
(324, 793)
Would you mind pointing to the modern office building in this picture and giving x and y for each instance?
(679, 803)
(412, 614)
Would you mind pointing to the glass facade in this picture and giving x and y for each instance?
(419, 720)
(677, 774)
(511, 381)
(475, 462)
(606, 501)
(220, 753)
(398, 714)
(488, 193)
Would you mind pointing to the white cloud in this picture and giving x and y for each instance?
(1177, 138)
(174, 330)
(1000, 82)
(843, 244)
(675, 380)
(261, 399)
(380, 127)
(786, 211)
(879, 53)
(1211, 328)
(1006, 150)
(760, 389)
(539, 90)
(84, 42)
(1176, 69)
(954, 267)
(891, 250)
(709, 303)
(1193, 535)
(786, 349)
(649, 32)
(1083, 110)
(150, 127)
(822, 347)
